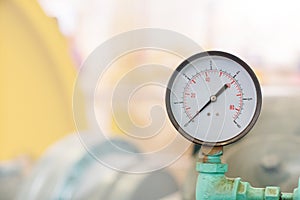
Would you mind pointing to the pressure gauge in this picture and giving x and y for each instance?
(213, 98)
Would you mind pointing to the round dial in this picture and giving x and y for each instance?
(213, 98)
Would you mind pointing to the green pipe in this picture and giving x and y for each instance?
(212, 184)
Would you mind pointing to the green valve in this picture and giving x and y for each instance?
(214, 185)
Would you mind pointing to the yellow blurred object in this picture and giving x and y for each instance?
(36, 80)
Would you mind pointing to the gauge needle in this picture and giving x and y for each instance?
(212, 98)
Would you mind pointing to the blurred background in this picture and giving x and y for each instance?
(42, 47)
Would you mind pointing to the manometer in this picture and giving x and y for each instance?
(213, 98)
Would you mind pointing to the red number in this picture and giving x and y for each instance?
(193, 95)
(231, 107)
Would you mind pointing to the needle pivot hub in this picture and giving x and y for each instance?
(213, 98)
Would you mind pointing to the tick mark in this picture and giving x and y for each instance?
(178, 102)
(236, 74)
(188, 78)
(239, 126)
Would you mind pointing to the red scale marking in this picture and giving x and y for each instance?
(187, 94)
(240, 95)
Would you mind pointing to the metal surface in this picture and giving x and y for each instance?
(68, 171)
(213, 184)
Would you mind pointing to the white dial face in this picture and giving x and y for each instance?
(214, 98)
